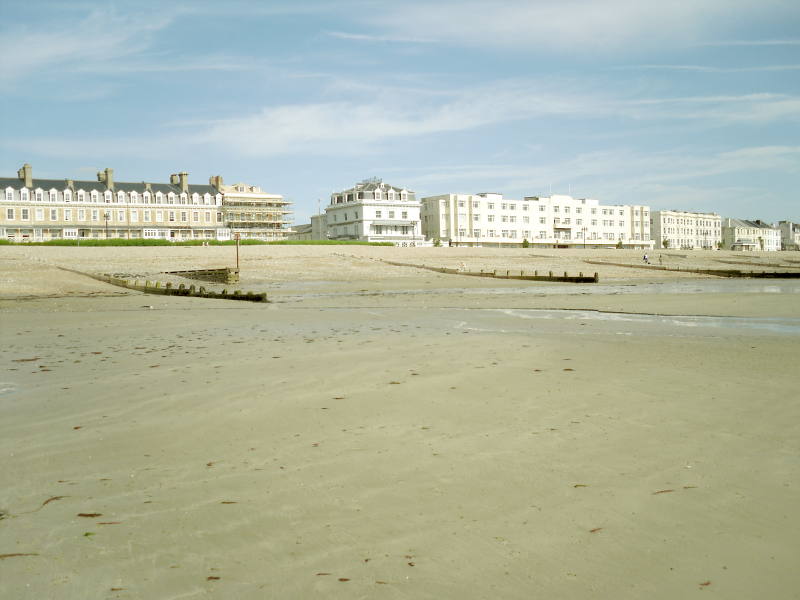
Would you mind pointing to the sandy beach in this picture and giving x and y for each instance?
(390, 432)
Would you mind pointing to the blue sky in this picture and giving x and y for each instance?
(688, 105)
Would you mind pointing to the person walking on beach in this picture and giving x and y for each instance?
(644, 258)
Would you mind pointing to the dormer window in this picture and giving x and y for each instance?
(146, 197)
(67, 195)
(120, 197)
(39, 195)
(23, 195)
(134, 197)
(81, 196)
(9, 195)
(107, 197)
(195, 198)
(184, 199)
(53, 195)
(171, 198)
(207, 199)
(159, 198)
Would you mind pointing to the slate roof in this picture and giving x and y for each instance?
(730, 222)
(99, 186)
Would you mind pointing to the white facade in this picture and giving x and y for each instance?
(373, 211)
(556, 221)
(685, 230)
(738, 234)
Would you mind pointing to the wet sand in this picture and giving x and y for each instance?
(387, 432)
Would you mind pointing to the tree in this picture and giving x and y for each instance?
(526, 243)
(619, 244)
(437, 242)
(665, 243)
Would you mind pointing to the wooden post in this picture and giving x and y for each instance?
(236, 236)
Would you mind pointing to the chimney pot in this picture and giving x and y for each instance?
(26, 174)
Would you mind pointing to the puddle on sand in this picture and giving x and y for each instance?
(766, 324)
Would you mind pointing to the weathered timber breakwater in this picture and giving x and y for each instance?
(224, 275)
(714, 272)
(505, 274)
(168, 289)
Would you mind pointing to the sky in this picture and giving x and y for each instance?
(689, 105)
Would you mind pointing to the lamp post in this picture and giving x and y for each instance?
(106, 217)
(584, 237)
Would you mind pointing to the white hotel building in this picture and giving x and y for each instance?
(373, 211)
(547, 222)
(686, 230)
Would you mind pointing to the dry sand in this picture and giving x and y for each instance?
(388, 432)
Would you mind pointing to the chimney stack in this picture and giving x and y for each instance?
(184, 177)
(216, 181)
(26, 174)
(106, 177)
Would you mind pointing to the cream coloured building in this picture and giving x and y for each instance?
(557, 221)
(47, 209)
(790, 235)
(738, 234)
(685, 230)
(252, 213)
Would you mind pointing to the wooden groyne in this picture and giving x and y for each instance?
(714, 272)
(168, 289)
(505, 274)
(224, 275)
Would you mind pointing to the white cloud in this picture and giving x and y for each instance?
(101, 38)
(574, 26)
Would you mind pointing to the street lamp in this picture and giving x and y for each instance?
(584, 237)
(106, 217)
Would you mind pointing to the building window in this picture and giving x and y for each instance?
(39, 196)
(81, 214)
(490, 218)
(95, 215)
(378, 214)
(54, 214)
(159, 216)
(476, 217)
(9, 196)
(134, 216)
(68, 214)
(391, 214)
(542, 220)
(10, 214)
(476, 232)
(120, 215)
(25, 214)
(541, 208)
(172, 216)
(476, 205)
(196, 217)
(491, 205)
(39, 214)
(23, 195)
(405, 214)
